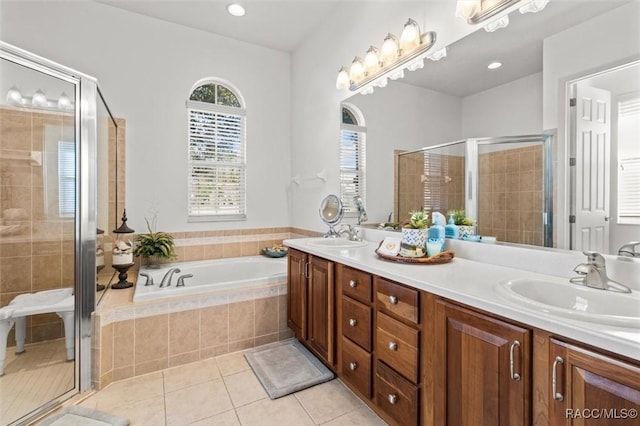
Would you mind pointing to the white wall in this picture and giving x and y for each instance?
(315, 100)
(146, 68)
(514, 108)
(405, 117)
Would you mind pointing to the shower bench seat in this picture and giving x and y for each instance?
(60, 301)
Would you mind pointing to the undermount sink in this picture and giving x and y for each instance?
(336, 243)
(574, 301)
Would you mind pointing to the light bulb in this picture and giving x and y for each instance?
(389, 50)
(64, 102)
(410, 37)
(371, 61)
(235, 9)
(39, 99)
(534, 6)
(356, 71)
(438, 54)
(342, 82)
(467, 8)
(497, 24)
(14, 96)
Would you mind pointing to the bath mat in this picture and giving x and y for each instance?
(286, 367)
(75, 415)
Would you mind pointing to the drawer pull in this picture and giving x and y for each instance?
(393, 300)
(514, 376)
(393, 346)
(353, 366)
(353, 283)
(353, 322)
(554, 379)
(393, 398)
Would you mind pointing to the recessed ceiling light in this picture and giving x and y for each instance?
(494, 65)
(235, 9)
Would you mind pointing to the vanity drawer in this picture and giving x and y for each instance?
(356, 284)
(397, 299)
(397, 345)
(356, 367)
(356, 322)
(396, 396)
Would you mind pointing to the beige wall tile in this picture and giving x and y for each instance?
(249, 248)
(266, 316)
(207, 353)
(46, 272)
(184, 333)
(232, 250)
(15, 274)
(263, 340)
(122, 373)
(241, 345)
(151, 366)
(192, 253)
(241, 320)
(214, 326)
(213, 251)
(184, 358)
(151, 339)
(123, 344)
(282, 312)
(106, 348)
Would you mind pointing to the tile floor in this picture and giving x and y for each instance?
(224, 391)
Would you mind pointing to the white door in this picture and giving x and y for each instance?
(593, 131)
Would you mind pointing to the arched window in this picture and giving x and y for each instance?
(217, 163)
(352, 157)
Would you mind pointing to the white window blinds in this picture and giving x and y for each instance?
(352, 165)
(629, 191)
(435, 170)
(66, 179)
(217, 182)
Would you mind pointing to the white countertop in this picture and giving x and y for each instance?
(474, 284)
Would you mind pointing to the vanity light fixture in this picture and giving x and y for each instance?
(494, 65)
(64, 102)
(478, 11)
(235, 9)
(14, 96)
(390, 61)
(38, 100)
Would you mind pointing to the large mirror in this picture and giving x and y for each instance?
(459, 98)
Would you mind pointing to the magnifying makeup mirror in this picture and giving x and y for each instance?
(331, 212)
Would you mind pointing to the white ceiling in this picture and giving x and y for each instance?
(278, 24)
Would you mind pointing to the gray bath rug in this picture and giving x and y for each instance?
(75, 415)
(286, 367)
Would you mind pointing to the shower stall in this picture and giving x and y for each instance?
(49, 165)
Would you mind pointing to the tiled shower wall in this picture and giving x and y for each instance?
(511, 196)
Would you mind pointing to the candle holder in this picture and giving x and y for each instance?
(122, 258)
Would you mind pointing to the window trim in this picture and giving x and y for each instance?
(361, 129)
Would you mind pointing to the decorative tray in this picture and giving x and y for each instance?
(444, 257)
(268, 251)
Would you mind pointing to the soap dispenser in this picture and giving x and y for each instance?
(437, 230)
(451, 230)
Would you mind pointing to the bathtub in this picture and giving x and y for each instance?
(211, 276)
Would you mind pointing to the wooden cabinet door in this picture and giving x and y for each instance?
(591, 389)
(483, 369)
(297, 293)
(321, 305)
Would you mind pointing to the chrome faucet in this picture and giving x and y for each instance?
(351, 231)
(166, 280)
(181, 279)
(630, 249)
(594, 274)
(148, 277)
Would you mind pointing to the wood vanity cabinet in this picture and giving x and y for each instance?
(311, 302)
(591, 388)
(480, 369)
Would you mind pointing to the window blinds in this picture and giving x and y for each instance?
(435, 169)
(66, 179)
(352, 166)
(216, 164)
(629, 190)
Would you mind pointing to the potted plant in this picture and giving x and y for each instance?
(155, 246)
(414, 235)
(465, 225)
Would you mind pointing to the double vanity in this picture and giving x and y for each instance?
(468, 342)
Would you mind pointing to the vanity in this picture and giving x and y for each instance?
(439, 344)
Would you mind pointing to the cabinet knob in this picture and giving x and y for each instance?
(353, 322)
(393, 346)
(353, 283)
(393, 300)
(353, 366)
(393, 398)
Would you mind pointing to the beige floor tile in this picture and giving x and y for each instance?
(131, 390)
(244, 388)
(149, 412)
(278, 412)
(228, 418)
(190, 374)
(198, 402)
(232, 363)
(328, 401)
(359, 417)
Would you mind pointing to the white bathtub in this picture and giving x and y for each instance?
(211, 275)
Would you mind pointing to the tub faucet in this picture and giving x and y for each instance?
(181, 279)
(630, 249)
(594, 274)
(166, 280)
(148, 277)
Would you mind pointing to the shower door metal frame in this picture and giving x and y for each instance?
(85, 218)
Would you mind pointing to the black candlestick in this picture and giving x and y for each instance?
(122, 276)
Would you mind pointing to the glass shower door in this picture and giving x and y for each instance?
(38, 214)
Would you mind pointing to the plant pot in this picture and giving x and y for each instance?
(466, 230)
(413, 242)
(154, 261)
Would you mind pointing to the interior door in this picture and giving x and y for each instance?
(592, 153)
